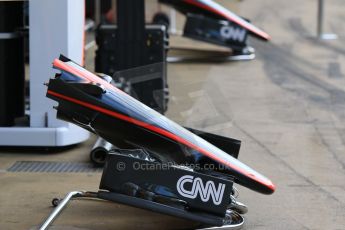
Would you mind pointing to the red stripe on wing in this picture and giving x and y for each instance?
(267, 183)
(238, 20)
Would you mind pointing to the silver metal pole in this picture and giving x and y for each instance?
(320, 18)
(97, 12)
(320, 22)
(59, 208)
(173, 29)
(114, 8)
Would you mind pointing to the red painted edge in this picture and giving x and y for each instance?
(256, 31)
(83, 74)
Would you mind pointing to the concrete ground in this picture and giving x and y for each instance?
(287, 106)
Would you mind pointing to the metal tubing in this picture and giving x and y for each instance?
(97, 13)
(320, 23)
(320, 18)
(99, 151)
(238, 206)
(102, 145)
(59, 208)
(173, 28)
(113, 7)
(94, 195)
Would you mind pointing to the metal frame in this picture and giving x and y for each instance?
(62, 204)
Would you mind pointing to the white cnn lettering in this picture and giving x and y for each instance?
(205, 192)
(229, 32)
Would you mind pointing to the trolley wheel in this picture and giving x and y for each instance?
(161, 19)
(55, 202)
(98, 158)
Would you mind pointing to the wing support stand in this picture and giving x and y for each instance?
(61, 204)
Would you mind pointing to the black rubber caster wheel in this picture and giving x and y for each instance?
(97, 157)
(161, 19)
(55, 202)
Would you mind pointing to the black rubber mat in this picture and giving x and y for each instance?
(52, 167)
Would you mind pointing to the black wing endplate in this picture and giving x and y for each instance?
(215, 10)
